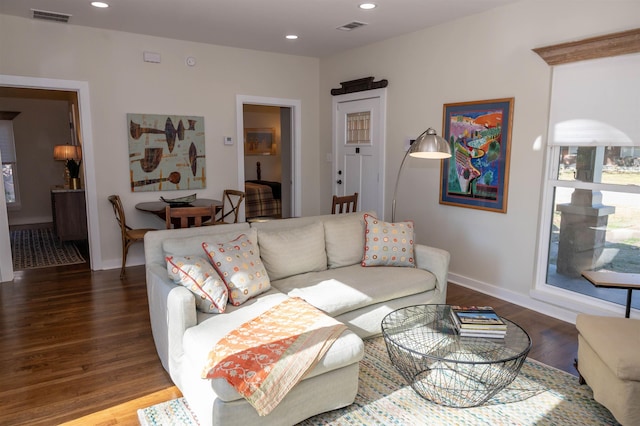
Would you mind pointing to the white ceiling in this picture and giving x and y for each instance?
(260, 24)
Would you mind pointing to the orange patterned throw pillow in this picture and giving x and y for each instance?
(197, 274)
(387, 244)
(238, 264)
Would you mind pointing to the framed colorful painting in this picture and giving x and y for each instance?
(477, 174)
(166, 152)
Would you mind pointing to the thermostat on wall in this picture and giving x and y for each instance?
(228, 140)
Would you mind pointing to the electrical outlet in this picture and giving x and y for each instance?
(228, 140)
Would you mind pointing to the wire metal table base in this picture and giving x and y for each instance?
(444, 367)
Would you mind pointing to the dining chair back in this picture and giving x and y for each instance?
(184, 217)
(231, 202)
(344, 204)
(128, 234)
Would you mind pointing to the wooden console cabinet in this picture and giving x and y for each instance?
(69, 212)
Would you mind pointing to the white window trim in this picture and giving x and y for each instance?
(15, 205)
(551, 294)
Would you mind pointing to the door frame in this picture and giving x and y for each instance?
(296, 131)
(381, 94)
(84, 110)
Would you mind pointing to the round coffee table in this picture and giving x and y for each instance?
(444, 367)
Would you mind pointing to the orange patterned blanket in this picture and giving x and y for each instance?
(265, 357)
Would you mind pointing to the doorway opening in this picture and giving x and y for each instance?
(73, 91)
(42, 235)
(269, 157)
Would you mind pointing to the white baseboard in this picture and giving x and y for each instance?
(30, 220)
(540, 301)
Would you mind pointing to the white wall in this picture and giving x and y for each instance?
(120, 82)
(486, 56)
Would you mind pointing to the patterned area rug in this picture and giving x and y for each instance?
(540, 395)
(40, 248)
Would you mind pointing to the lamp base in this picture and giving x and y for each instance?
(74, 183)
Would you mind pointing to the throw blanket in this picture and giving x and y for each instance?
(265, 357)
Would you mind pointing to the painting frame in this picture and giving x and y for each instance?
(166, 152)
(479, 134)
(259, 141)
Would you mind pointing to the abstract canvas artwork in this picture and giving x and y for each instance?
(477, 174)
(166, 152)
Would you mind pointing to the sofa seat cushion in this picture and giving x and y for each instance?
(199, 340)
(615, 340)
(340, 290)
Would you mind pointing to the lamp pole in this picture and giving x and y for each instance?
(395, 191)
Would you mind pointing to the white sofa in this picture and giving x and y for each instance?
(316, 258)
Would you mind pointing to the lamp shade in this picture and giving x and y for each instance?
(430, 145)
(67, 152)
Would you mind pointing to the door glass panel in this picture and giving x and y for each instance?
(358, 128)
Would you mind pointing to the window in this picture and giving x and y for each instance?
(9, 164)
(592, 191)
(358, 128)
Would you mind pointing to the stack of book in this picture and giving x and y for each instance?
(478, 321)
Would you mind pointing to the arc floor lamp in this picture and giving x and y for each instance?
(428, 145)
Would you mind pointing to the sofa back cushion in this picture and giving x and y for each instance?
(292, 251)
(344, 236)
(157, 244)
(193, 245)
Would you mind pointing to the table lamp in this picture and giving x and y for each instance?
(72, 156)
(428, 145)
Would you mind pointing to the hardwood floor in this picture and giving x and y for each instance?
(77, 346)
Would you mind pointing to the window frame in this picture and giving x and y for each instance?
(12, 205)
(547, 292)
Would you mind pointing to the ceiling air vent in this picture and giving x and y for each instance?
(50, 16)
(352, 26)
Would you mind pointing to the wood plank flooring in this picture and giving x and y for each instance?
(76, 346)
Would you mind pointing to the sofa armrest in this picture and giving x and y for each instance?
(172, 310)
(434, 260)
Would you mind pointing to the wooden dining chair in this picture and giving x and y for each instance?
(231, 201)
(184, 217)
(345, 204)
(129, 235)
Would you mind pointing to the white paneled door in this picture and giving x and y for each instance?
(358, 148)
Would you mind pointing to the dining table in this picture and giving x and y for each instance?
(159, 207)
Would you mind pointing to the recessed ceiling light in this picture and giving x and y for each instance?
(291, 37)
(99, 4)
(368, 6)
